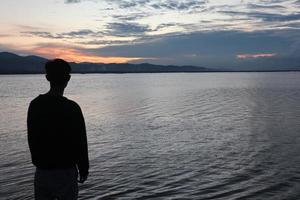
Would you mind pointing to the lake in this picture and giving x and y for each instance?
(169, 136)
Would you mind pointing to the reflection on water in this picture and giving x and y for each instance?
(169, 136)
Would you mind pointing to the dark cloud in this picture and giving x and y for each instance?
(165, 25)
(129, 4)
(126, 29)
(213, 49)
(217, 43)
(81, 33)
(267, 17)
(43, 34)
(272, 1)
(259, 6)
(169, 5)
(105, 42)
(177, 5)
(130, 16)
(275, 17)
(72, 1)
(26, 27)
(125, 4)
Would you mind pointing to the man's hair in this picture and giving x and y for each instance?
(58, 71)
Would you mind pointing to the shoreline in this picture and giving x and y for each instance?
(166, 72)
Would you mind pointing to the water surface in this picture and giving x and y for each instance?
(169, 136)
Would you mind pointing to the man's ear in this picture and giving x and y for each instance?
(47, 77)
(69, 77)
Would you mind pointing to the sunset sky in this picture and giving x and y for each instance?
(211, 33)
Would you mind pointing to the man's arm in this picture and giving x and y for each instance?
(30, 130)
(83, 158)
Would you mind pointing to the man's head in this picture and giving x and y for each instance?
(58, 72)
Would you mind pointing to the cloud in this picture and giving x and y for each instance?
(199, 32)
(66, 35)
(4, 35)
(27, 27)
(257, 55)
(126, 29)
(9, 48)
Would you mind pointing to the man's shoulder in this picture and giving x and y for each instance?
(72, 103)
(36, 100)
(43, 98)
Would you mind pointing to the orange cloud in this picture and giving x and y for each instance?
(259, 55)
(73, 55)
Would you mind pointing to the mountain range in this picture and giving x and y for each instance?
(11, 63)
(14, 64)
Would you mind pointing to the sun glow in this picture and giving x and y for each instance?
(73, 55)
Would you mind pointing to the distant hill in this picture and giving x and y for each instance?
(14, 64)
(11, 63)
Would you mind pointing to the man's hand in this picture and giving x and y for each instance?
(82, 178)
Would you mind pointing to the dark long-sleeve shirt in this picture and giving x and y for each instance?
(56, 134)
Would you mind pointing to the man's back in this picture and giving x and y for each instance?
(56, 134)
(57, 138)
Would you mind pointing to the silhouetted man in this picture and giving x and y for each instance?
(57, 138)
